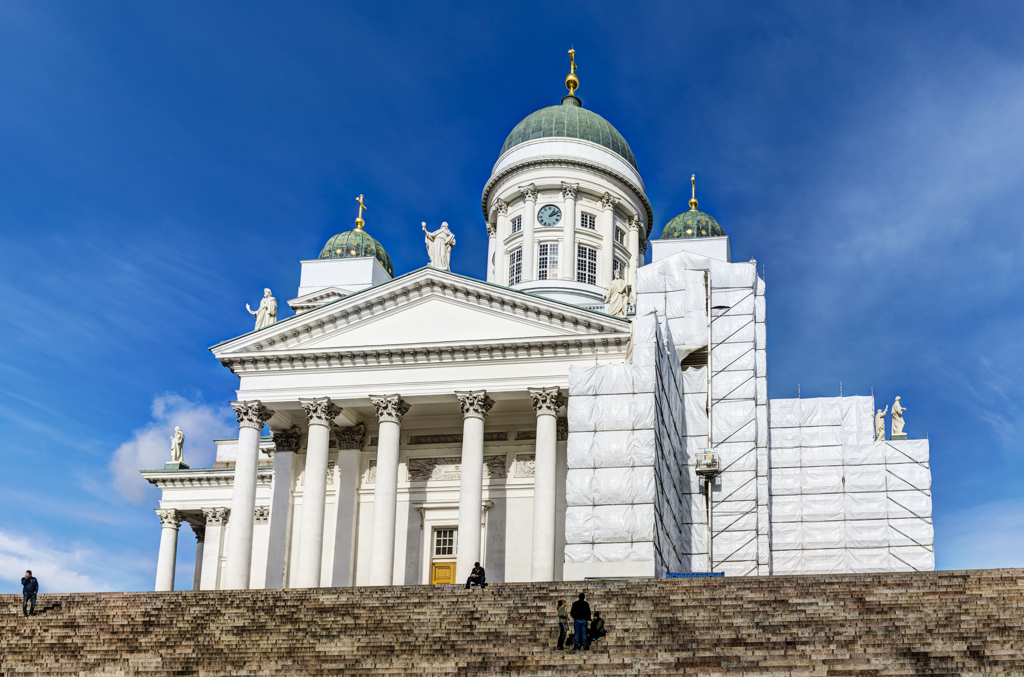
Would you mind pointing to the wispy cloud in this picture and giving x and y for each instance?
(150, 446)
(986, 536)
(59, 569)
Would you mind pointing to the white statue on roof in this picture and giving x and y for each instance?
(880, 423)
(619, 295)
(266, 314)
(897, 417)
(439, 246)
(177, 446)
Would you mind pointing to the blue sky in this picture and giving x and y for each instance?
(160, 164)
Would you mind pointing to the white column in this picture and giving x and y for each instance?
(169, 521)
(546, 402)
(529, 221)
(286, 443)
(197, 573)
(213, 548)
(390, 411)
(568, 254)
(491, 247)
(260, 547)
(501, 232)
(320, 412)
(475, 405)
(635, 224)
(350, 443)
(607, 232)
(251, 417)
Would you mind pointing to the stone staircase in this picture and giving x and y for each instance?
(937, 623)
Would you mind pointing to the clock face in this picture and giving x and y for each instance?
(549, 215)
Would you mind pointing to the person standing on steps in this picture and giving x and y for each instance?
(580, 613)
(563, 624)
(477, 576)
(29, 588)
(597, 631)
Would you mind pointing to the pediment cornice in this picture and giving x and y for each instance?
(291, 343)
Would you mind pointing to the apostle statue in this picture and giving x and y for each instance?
(266, 314)
(177, 445)
(619, 296)
(880, 423)
(439, 246)
(897, 417)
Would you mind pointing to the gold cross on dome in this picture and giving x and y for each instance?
(361, 205)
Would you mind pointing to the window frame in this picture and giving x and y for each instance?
(593, 219)
(515, 224)
(544, 254)
(515, 267)
(586, 264)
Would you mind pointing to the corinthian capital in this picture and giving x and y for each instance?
(251, 414)
(569, 190)
(350, 438)
(390, 408)
(636, 223)
(474, 403)
(216, 517)
(501, 206)
(608, 201)
(529, 192)
(547, 400)
(200, 531)
(320, 410)
(287, 440)
(169, 517)
(492, 230)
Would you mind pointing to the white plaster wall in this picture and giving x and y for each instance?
(712, 247)
(349, 274)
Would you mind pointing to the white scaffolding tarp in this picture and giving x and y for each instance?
(841, 501)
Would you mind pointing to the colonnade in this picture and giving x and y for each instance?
(567, 268)
(390, 409)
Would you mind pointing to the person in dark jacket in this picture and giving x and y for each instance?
(29, 588)
(580, 613)
(477, 576)
(597, 631)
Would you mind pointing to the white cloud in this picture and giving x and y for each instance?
(58, 570)
(988, 536)
(150, 446)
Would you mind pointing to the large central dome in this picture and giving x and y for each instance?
(570, 120)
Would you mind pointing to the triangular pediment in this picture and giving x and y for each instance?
(428, 308)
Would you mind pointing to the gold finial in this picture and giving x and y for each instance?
(359, 219)
(572, 82)
(693, 199)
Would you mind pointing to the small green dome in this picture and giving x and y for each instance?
(356, 243)
(693, 223)
(573, 121)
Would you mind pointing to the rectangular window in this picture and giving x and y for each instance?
(620, 236)
(618, 265)
(517, 224)
(586, 264)
(515, 267)
(547, 261)
(588, 221)
(445, 542)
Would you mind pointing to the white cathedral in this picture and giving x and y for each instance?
(396, 430)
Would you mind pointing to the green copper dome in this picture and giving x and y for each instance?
(355, 243)
(693, 223)
(573, 121)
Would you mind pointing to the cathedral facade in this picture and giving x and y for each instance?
(577, 414)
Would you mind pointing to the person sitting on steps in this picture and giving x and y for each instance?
(580, 613)
(597, 631)
(477, 576)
